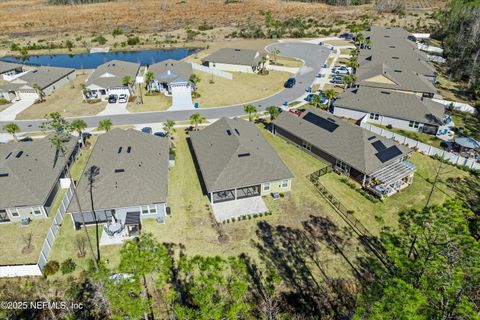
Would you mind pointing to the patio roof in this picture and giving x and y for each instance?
(132, 218)
(394, 172)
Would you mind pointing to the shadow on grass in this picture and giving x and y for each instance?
(298, 255)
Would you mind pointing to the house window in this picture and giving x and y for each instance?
(342, 166)
(14, 213)
(374, 116)
(36, 211)
(145, 210)
(153, 209)
(284, 183)
(307, 146)
(266, 186)
(413, 124)
(377, 116)
(149, 209)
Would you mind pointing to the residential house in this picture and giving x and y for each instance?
(236, 162)
(10, 69)
(125, 181)
(377, 163)
(108, 79)
(236, 60)
(390, 108)
(170, 74)
(30, 175)
(48, 79)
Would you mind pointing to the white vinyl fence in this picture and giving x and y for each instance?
(36, 269)
(465, 107)
(423, 147)
(215, 72)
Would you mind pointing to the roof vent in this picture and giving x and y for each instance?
(120, 149)
(129, 149)
(241, 155)
(398, 71)
(19, 154)
(236, 131)
(8, 156)
(371, 138)
(229, 132)
(385, 92)
(119, 170)
(237, 49)
(396, 58)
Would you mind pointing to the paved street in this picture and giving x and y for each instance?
(313, 55)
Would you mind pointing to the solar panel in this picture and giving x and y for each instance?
(378, 145)
(320, 122)
(388, 154)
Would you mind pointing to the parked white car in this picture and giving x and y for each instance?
(123, 98)
(343, 70)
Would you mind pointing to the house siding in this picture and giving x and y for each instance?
(275, 186)
(230, 67)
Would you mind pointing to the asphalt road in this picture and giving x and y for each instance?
(313, 55)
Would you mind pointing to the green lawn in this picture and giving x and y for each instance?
(415, 196)
(420, 136)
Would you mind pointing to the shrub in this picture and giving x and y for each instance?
(117, 32)
(100, 40)
(133, 40)
(51, 268)
(68, 266)
(233, 219)
(3, 101)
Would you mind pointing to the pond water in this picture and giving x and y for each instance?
(93, 60)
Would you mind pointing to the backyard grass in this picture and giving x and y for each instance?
(158, 102)
(420, 136)
(244, 88)
(67, 100)
(339, 42)
(375, 215)
(452, 90)
(469, 122)
(346, 51)
(288, 62)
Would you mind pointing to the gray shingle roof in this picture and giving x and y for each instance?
(33, 169)
(144, 179)
(247, 57)
(171, 70)
(8, 66)
(402, 79)
(393, 104)
(43, 76)
(348, 142)
(110, 74)
(239, 159)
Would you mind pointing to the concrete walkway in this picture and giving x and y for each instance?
(237, 208)
(11, 112)
(114, 109)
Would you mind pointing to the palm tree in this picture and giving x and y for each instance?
(347, 80)
(39, 91)
(13, 129)
(195, 79)
(330, 94)
(79, 125)
(368, 43)
(273, 112)
(263, 62)
(316, 101)
(250, 109)
(275, 53)
(84, 89)
(127, 81)
(353, 62)
(149, 77)
(169, 127)
(105, 124)
(61, 135)
(197, 119)
(360, 39)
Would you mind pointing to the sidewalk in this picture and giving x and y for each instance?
(11, 112)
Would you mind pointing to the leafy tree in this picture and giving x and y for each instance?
(212, 288)
(127, 81)
(62, 130)
(169, 127)
(149, 77)
(38, 89)
(250, 109)
(105, 125)
(331, 94)
(273, 112)
(197, 119)
(440, 280)
(69, 44)
(13, 129)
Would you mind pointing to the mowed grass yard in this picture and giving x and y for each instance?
(157, 102)
(67, 100)
(191, 223)
(243, 88)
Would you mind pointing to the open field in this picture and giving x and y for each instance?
(245, 87)
(67, 100)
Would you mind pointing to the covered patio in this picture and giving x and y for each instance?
(118, 230)
(234, 194)
(391, 179)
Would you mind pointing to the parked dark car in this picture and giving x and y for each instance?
(290, 83)
(346, 36)
(112, 98)
(147, 130)
(26, 139)
(337, 79)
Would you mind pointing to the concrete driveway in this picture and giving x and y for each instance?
(237, 208)
(11, 112)
(313, 55)
(114, 109)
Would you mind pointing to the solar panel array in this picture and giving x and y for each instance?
(378, 145)
(323, 123)
(388, 154)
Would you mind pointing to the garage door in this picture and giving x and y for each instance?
(181, 98)
(28, 95)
